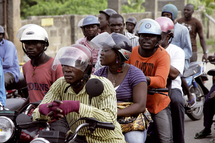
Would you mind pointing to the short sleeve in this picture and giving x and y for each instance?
(136, 76)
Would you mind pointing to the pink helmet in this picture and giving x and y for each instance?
(165, 23)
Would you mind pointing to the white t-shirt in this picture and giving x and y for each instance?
(177, 57)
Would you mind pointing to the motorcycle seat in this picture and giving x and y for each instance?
(211, 72)
(14, 103)
(192, 70)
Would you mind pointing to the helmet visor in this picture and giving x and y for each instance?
(71, 56)
(107, 41)
(102, 41)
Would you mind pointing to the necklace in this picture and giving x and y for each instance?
(113, 80)
(34, 71)
(34, 67)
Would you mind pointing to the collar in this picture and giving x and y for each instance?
(129, 35)
(2, 42)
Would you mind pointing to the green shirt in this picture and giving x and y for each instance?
(103, 108)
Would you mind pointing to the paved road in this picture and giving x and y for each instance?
(192, 127)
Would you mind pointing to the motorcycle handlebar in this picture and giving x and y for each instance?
(157, 90)
(108, 126)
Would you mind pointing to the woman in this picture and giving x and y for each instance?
(129, 82)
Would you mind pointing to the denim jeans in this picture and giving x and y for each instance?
(162, 126)
(177, 111)
(136, 136)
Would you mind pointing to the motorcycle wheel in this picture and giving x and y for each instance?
(196, 113)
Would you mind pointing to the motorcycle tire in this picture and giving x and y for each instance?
(196, 113)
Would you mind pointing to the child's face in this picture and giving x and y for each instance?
(130, 27)
(34, 47)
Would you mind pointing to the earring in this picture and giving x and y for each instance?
(117, 61)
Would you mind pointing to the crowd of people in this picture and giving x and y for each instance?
(129, 57)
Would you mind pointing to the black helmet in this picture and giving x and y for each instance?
(132, 20)
(1, 29)
(123, 45)
(108, 12)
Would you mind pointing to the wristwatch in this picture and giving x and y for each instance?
(206, 52)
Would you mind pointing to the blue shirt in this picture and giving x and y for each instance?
(2, 87)
(8, 54)
(182, 39)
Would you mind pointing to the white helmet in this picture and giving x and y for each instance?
(32, 32)
(150, 27)
(137, 27)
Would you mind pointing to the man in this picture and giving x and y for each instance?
(8, 54)
(177, 57)
(130, 24)
(182, 40)
(90, 27)
(117, 25)
(70, 90)
(194, 26)
(208, 110)
(104, 19)
(154, 61)
(37, 71)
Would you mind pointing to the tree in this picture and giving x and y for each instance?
(61, 7)
(208, 4)
(133, 6)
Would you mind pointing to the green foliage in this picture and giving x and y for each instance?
(61, 7)
(133, 6)
(210, 45)
(208, 4)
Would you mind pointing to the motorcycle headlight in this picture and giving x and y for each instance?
(39, 140)
(7, 128)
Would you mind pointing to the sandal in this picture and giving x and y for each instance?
(201, 134)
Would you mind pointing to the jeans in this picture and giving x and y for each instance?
(162, 126)
(177, 111)
(136, 136)
(209, 109)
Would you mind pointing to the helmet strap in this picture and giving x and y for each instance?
(38, 56)
(82, 81)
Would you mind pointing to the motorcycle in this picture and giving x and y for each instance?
(195, 77)
(91, 123)
(15, 126)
